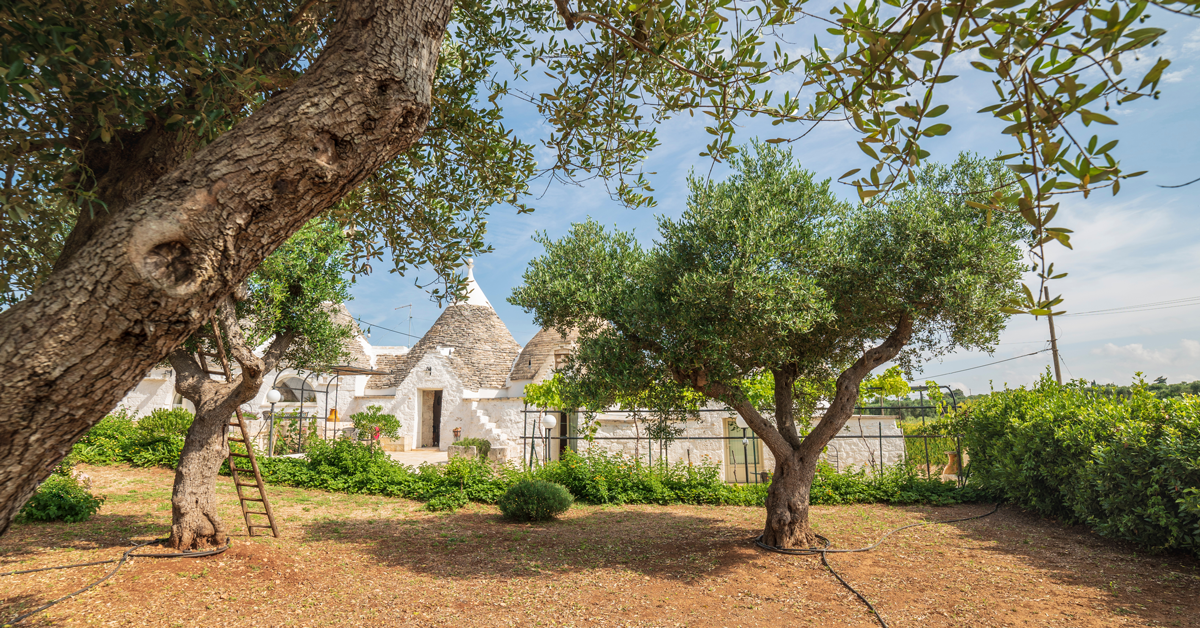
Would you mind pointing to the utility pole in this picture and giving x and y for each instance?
(1053, 340)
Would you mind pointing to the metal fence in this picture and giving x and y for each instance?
(921, 449)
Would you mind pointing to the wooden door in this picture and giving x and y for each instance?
(437, 418)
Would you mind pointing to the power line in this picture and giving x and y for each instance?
(1143, 307)
(1180, 185)
(986, 365)
(370, 325)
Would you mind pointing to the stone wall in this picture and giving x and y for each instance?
(859, 444)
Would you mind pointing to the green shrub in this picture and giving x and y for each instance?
(60, 498)
(103, 443)
(163, 424)
(595, 477)
(373, 422)
(447, 501)
(1126, 466)
(535, 500)
(482, 445)
(898, 484)
(155, 440)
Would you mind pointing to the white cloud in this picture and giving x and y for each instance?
(1192, 43)
(1137, 353)
(1176, 77)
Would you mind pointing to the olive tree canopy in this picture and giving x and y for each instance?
(769, 271)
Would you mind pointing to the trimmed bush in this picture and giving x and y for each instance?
(60, 498)
(1129, 467)
(482, 445)
(535, 500)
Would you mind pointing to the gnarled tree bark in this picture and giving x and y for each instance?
(195, 523)
(150, 276)
(796, 459)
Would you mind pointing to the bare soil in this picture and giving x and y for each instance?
(347, 560)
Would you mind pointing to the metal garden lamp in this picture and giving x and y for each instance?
(549, 422)
(273, 398)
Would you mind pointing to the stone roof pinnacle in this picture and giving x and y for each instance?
(475, 294)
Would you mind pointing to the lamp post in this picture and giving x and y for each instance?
(549, 422)
(273, 398)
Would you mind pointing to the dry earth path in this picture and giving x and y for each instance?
(373, 561)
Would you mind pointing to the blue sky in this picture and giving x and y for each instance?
(1140, 246)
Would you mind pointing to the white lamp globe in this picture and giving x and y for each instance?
(740, 422)
(549, 422)
(273, 396)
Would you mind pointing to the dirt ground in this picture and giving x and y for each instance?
(372, 561)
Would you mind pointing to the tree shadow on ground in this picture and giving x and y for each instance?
(1159, 587)
(648, 540)
(102, 531)
(13, 607)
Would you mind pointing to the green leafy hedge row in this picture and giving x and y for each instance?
(1129, 467)
(597, 477)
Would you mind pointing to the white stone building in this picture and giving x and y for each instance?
(468, 373)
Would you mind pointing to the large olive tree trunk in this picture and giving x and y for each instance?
(787, 504)
(195, 523)
(151, 274)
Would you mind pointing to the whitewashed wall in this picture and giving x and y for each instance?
(406, 403)
(157, 390)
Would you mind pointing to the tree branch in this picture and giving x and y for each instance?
(226, 314)
(847, 386)
(737, 400)
(189, 376)
(785, 407)
(274, 353)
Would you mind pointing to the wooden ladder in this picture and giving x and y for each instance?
(258, 483)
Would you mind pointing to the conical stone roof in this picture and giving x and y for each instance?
(541, 348)
(479, 346)
(339, 314)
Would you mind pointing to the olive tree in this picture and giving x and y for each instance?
(286, 307)
(153, 154)
(768, 271)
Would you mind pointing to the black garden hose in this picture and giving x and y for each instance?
(826, 550)
(129, 553)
